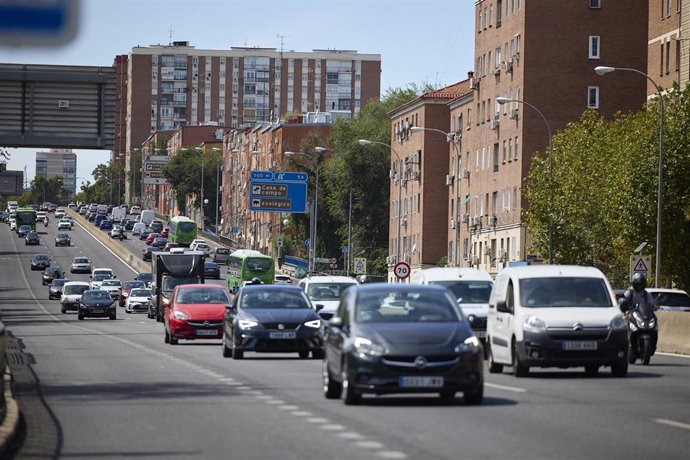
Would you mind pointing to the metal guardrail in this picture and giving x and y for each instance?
(3, 363)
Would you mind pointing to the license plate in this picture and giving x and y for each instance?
(420, 382)
(579, 345)
(206, 332)
(282, 335)
(480, 334)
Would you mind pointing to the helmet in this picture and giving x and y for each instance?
(257, 281)
(639, 281)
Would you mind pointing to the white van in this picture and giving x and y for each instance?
(147, 216)
(555, 316)
(471, 288)
(326, 290)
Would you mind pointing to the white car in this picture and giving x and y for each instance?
(71, 295)
(326, 290)
(41, 216)
(196, 241)
(137, 228)
(201, 247)
(59, 213)
(670, 299)
(98, 275)
(282, 279)
(13, 224)
(81, 264)
(135, 211)
(138, 300)
(64, 225)
(113, 286)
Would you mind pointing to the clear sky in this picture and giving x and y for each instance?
(419, 41)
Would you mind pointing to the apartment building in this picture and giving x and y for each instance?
(11, 182)
(418, 219)
(541, 55)
(664, 45)
(58, 163)
(262, 148)
(684, 43)
(170, 86)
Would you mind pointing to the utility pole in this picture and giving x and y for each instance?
(349, 235)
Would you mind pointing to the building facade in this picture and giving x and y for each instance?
(168, 87)
(58, 163)
(11, 182)
(665, 49)
(684, 43)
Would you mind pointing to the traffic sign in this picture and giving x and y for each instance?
(360, 265)
(38, 22)
(640, 264)
(401, 270)
(275, 191)
(153, 169)
(280, 240)
(344, 249)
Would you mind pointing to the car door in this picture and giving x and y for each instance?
(500, 318)
(337, 336)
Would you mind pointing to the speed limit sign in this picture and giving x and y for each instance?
(401, 270)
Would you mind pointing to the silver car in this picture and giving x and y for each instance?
(80, 265)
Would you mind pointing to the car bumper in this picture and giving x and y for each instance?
(137, 307)
(70, 305)
(387, 375)
(96, 312)
(548, 349)
(196, 329)
(263, 341)
(213, 274)
(54, 295)
(80, 269)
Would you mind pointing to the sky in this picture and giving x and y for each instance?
(419, 41)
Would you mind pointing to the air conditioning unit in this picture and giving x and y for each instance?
(474, 83)
(494, 124)
(457, 137)
(467, 174)
(449, 179)
(492, 221)
(496, 71)
(509, 66)
(452, 223)
(463, 218)
(513, 114)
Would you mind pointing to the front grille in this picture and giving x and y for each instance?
(410, 359)
(286, 326)
(201, 323)
(590, 334)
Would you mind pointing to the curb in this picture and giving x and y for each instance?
(10, 426)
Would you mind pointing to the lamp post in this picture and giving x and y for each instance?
(216, 149)
(505, 100)
(368, 142)
(201, 202)
(313, 226)
(603, 70)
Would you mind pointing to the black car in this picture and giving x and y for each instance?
(159, 242)
(211, 269)
(146, 253)
(96, 303)
(272, 318)
(91, 216)
(128, 224)
(145, 232)
(32, 239)
(401, 338)
(55, 289)
(40, 262)
(23, 230)
(63, 239)
(156, 226)
(50, 273)
(146, 277)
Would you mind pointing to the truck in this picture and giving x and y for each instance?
(147, 216)
(170, 270)
(119, 214)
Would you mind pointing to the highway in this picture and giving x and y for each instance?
(113, 389)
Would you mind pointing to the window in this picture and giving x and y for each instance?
(515, 197)
(668, 8)
(595, 3)
(499, 7)
(668, 57)
(510, 148)
(594, 47)
(491, 13)
(593, 97)
(494, 203)
(496, 157)
(505, 151)
(677, 53)
(516, 148)
(661, 60)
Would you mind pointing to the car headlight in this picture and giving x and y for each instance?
(315, 323)
(368, 350)
(533, 324)
(180, 315)
(247, 324)
(617, 323)
(471, 344)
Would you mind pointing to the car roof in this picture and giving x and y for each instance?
(102, 269)
(271, 287)
(200, 285)
(673, 291)
(451, 274)
(328, 279)
(77, 283)
(549, 271)
(395, 287)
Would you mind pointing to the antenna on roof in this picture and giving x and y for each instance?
(282, 41)
(171, 32)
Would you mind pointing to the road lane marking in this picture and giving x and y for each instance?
(318, 420)
(350, 435)
(505, 387)
(302, 413)
(275, 401)
(332, 427)
(369, 444)
(673, 423)
(288, 407)
(675, 355)
(391, 454)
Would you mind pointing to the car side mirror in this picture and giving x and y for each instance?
(335, 323)
(319, 307)
(502, 307)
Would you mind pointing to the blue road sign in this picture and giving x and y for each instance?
(276, 196)
(279, 176)
(307, 242)
(344, 249)
(38, 22)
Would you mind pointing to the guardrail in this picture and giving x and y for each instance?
(3, 363)
(674, 332)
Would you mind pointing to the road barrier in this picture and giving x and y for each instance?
(674, 332)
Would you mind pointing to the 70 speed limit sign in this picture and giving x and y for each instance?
(401, 270)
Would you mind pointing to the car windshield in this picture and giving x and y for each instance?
(101, 276)
(671, 299)
(468, 291)
(257, 264)
(222, 251)
(564, 292)
(132, 284)
(81, 260)
(326, 291)
(41, 257)
(111, 283)
(98, 295)
(169, 283)
(274, 299)
(406, 306)
(140, 293)
(75, 289)
(201, 295)
(58, 283)
(62, 235)
(146, 277)
(52, 270)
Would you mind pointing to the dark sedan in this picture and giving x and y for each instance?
(144, 234)
(96, 303)
(401, 338)
(23, 230)
(127, 224)
(32, 239)
(63, 239)
(146, 253)
(55, 289)
(159, 242)
(146, 277)
(106, 225)
(40, 262)
(50, 273)
(211, 269)
(272, 318)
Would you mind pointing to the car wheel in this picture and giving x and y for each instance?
(619, 369)
(236, 353)
(113, 317)
(591, 370)
(474, 397)
(317, 354)
(173, 340)
(303, 354)
(227, 352)
(63, 310)
(519, 369)
(331, 388)
(350, 395)
(494, 367)
(80, 317)
(127, 311)
(167, 337)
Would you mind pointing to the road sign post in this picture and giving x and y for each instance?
(360, 265)
(640, 264)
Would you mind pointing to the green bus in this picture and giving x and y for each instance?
(246, 264)
(182, 230)
(26, 216)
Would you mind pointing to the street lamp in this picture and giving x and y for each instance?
(313, 223)
(504, 100)
(216, 149)
(603, 70)
(368, 142)
(201, 202)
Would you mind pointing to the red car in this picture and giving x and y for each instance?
(52, 207)
(165, 232)
(169, 246)
(196, 311)
(151, 237)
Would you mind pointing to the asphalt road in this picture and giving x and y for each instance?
(113, 389)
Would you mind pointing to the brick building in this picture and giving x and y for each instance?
(664, 47)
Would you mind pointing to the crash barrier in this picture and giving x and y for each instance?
(674, 332)
(3, 363)
(123, 253)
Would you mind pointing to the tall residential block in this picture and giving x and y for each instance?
(58, 163)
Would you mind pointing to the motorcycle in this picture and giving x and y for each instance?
(643, 333)
(45, 222)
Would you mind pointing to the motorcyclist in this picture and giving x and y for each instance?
(45, 221)
(256, 281)
(638, 298)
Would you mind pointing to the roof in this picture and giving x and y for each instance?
(329, 279)
(548, 271)
(450, 274)
(446, 94)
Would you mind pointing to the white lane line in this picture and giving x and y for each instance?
(673, 423)
(264, 397)
(243, 388)
(369, 444)
(302, 413)
(505, 387)
(288, 407)
(391, 454)
(675, 355)
(350, 435)
(317, 420)
(332, 427)
(275, 401)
